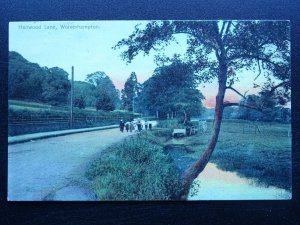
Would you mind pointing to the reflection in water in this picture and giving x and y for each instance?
(215, 184)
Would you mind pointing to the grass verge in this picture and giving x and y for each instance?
(136, 169)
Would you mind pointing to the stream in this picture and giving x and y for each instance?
(217, 184)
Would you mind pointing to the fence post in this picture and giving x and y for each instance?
(71, 101)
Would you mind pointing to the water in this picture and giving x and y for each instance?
(216, 184)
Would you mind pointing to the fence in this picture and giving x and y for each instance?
(33, 124)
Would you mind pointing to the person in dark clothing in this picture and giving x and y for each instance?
(122, 124)
(127, 124)
(139, 125)
(188, 130)
(150, 126)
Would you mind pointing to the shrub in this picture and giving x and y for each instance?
(79, 102)
(169, 124)
(162, 133)
(136, 169)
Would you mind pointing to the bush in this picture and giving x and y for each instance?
(136, 169)
(169, 124)
(79, 102)
(162, 133)
(192, 123)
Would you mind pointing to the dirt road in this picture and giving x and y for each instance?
(53, 168)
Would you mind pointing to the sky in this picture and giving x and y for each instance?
(87, 45)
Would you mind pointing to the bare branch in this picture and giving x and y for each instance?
(249, 56)
(279, 85)
(227, 30)
(228, 104)
(223, 26)
(236, 91)
(258, 70)
(228, 26)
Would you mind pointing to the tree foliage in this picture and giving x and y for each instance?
(172, 90)
(29, 81)
(239, 45)
(130, 91)
(56, 86)
(86, 92)
(269, 111)
(79, 102)
(106, 92)
(25, 78)
(104, 102)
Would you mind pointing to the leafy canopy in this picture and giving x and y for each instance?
(262, 47)
(172, 88)
(29, 81)
(130, 91)
(106, 92)
(85, 92)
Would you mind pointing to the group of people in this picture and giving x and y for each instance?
(134, 126)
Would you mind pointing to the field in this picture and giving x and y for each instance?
(261, 151)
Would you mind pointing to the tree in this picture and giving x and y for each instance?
(25, 78)
(222, 50)
(104, 103)
(106, 92)
(270, 109)
(56, 86)
(79, 102)
(189, 102)
(129, 92)
(29, 81)
(172, 90)
(86, 91)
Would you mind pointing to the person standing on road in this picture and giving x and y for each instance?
(122, 124)
(150, 126)
(131, 126)
(139, 126)
(127, 124)
(146, 125)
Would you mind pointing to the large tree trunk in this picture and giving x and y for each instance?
(192, 172)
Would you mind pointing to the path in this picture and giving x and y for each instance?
(53, 168)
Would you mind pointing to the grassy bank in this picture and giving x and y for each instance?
(30, 117)
(25, 110)
(136, 169)
(264, 156)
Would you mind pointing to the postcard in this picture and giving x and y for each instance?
(149, 110)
